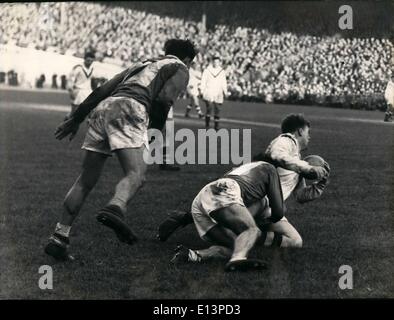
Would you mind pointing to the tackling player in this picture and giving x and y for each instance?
(80, 80)
(251, 180)
(285, 153)
(221, 215)
(123, 108)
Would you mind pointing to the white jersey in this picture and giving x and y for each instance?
(214, 84)
(79, 83)
(389, 92)
(285, 152)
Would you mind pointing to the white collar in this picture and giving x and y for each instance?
(175, 57)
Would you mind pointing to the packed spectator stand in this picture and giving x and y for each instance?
(260, 65)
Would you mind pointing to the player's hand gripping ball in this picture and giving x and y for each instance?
(321, 168)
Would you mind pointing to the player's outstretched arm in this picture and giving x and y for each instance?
(98, 95)
(70, 125)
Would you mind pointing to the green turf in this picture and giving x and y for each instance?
(351, 224)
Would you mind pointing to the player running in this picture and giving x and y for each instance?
(193, 91)
(285, 153)
(80, 80)
(123, 108)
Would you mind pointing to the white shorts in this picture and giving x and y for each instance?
(192, 91)
(389, 93)
(216, 195)
(80, 96)
(117, 123)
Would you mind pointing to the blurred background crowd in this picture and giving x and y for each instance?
(261, 64)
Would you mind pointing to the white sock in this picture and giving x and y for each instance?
(62, 229)
(237, 258)
(269, 239)
(194, 256)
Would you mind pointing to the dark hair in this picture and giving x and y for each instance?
(293, 122)
(89, 54)
(180, 48)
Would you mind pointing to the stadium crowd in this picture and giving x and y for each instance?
(260, 66)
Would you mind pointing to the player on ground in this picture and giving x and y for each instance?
(214, 89)
(285, 153)
(80, 80)
(276, 231)
(389, 96)
(221, 215)
(123, 108)
(193, 91)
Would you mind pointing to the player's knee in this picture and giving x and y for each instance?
(256, 231)
(297, 241)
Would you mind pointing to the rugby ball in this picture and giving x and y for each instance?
(315, 160)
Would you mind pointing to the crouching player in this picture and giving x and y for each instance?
(285, 153)
(221, 215)
(275, 230)
(122, 109)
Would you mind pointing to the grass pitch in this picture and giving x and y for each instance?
(351, 224)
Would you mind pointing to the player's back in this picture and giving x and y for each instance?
(253, 179)
(144, 80)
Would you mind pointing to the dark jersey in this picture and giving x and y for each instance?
(149, 81)
(257, 180)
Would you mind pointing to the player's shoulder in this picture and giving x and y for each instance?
(286, 138)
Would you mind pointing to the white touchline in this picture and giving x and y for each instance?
(180, 116)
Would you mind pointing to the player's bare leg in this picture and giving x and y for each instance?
(207, 114)
(280, 234)
(238, 219)
(223, 240)
(196, 104)
(216, 115)
(112, 215)
(92, 166)
(388, 116)
(290, 238)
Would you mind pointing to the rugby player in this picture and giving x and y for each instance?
(193, 91)
(285, 153)
(79, 83)
(122, 109)
(213, 89)
(221, 215)
(389, 96)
